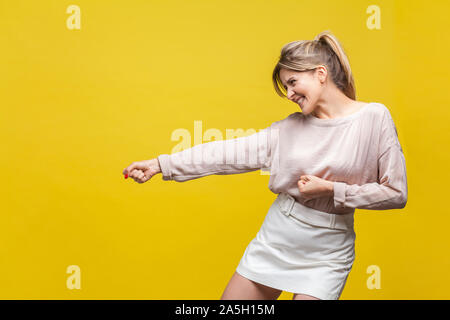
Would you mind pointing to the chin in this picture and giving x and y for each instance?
(302, 108)
(306, 110)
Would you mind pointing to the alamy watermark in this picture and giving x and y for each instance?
(374, 20)
(73, 22)
(241, 149)
(74, 280)
(374, 280)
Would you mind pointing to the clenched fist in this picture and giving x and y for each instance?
(312, 187)
(142, 171)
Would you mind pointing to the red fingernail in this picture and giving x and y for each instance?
(126, 175)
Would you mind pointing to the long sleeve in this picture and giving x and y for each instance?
(391, 190)
(221, 157)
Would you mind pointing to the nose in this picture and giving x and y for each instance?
(290, 94)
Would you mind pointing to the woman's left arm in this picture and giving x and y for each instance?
(391, 190)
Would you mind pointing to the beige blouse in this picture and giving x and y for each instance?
(360, 153)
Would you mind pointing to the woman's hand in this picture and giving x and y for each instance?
(142, 171)
(312, 187)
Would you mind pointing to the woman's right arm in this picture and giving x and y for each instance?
(221, 157)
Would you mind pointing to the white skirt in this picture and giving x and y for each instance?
(301, 250)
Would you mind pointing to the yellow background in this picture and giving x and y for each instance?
(78, 106)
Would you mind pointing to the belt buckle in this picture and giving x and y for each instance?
(288, 204)
(332, 221)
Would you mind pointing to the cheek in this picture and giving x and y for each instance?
(305, 87)
(313, 92)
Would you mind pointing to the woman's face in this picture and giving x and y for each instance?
(303, 87)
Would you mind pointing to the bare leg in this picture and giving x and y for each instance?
(299, 296)
(241, 288)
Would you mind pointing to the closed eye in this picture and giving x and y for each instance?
(290, 82)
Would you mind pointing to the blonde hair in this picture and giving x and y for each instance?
(306, 55)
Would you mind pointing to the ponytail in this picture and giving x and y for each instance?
(347, 83)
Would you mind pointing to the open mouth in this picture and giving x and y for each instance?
(301, 100)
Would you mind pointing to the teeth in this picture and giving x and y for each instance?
(302, 98)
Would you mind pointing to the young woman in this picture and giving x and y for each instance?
(337, 155)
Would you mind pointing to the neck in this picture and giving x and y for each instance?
(332, 104)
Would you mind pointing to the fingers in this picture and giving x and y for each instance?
(138, 171)
(305, 178)
(136, 174)
(132, 171)
(139, 176)
(128, 169)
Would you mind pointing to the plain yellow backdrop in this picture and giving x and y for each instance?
(78, 106)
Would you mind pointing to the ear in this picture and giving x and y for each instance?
(322, 73)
